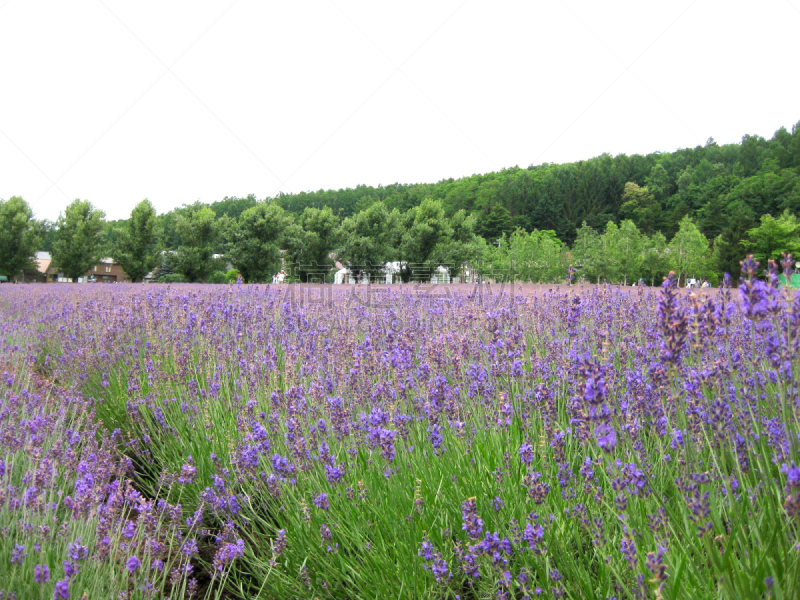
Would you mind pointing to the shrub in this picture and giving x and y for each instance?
(217, 277)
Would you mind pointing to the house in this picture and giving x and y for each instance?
(105, 271)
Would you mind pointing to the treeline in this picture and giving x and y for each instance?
(624, 254)
(608, 218)
(709, 183)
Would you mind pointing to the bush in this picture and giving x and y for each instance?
(232, 276)
(217, 277)
(172, 278)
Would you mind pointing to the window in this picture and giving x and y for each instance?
(108, 268)
(95, 267)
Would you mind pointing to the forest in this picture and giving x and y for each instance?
(697, 211)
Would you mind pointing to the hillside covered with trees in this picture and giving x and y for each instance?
(697, 211)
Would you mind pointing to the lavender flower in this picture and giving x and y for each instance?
(61, 591)
(41, 573)
(279, 545)
(526, 453)
(133, 564)
(472, 523)
(606, 437)
(322, 502)
(18, 554)
(227, 553)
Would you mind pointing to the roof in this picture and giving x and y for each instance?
(42, 264)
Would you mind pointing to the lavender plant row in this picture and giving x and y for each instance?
(253, 442)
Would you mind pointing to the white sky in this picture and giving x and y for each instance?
(115, 101)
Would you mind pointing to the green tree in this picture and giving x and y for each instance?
(258, 237)
(641, 207)
(233, 206)
(655, 258)
(79, 239)
(689, 253)
(136, 245)
(20, 236)
(371, 238)
(425, 227)
(462, 246)
(319, 227)
(736, 219)
(538, 256)
(622, 250)
(774, 237)
(168, 226)
(48, 232)
(196, 228)
(586, 255)
(496, 264)
(659, 184)
(493, 221)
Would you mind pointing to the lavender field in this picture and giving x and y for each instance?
(251, 441)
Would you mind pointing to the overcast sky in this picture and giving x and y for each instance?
(115, 101)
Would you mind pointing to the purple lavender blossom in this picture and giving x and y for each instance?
(61, 591)
(322, 502)
(227, 553)
(325, 532)
(526, 453)
(606, 437)
(41, 573)
(133, 564)
(279, 545)
(472, 523)
(18, 554)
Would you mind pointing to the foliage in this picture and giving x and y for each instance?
(655, 258)
(724, 189)
(197, 230)
(217, 277)
(774, 237)
(462, 245)
(689, 253)
(315, 241)
(136, 246)
(79, 239)
(257, 238)
(20, 236)
(586, 254)
(232, 206)
(370, 239)
(538, 256)
(641, 207)
(624, 249)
